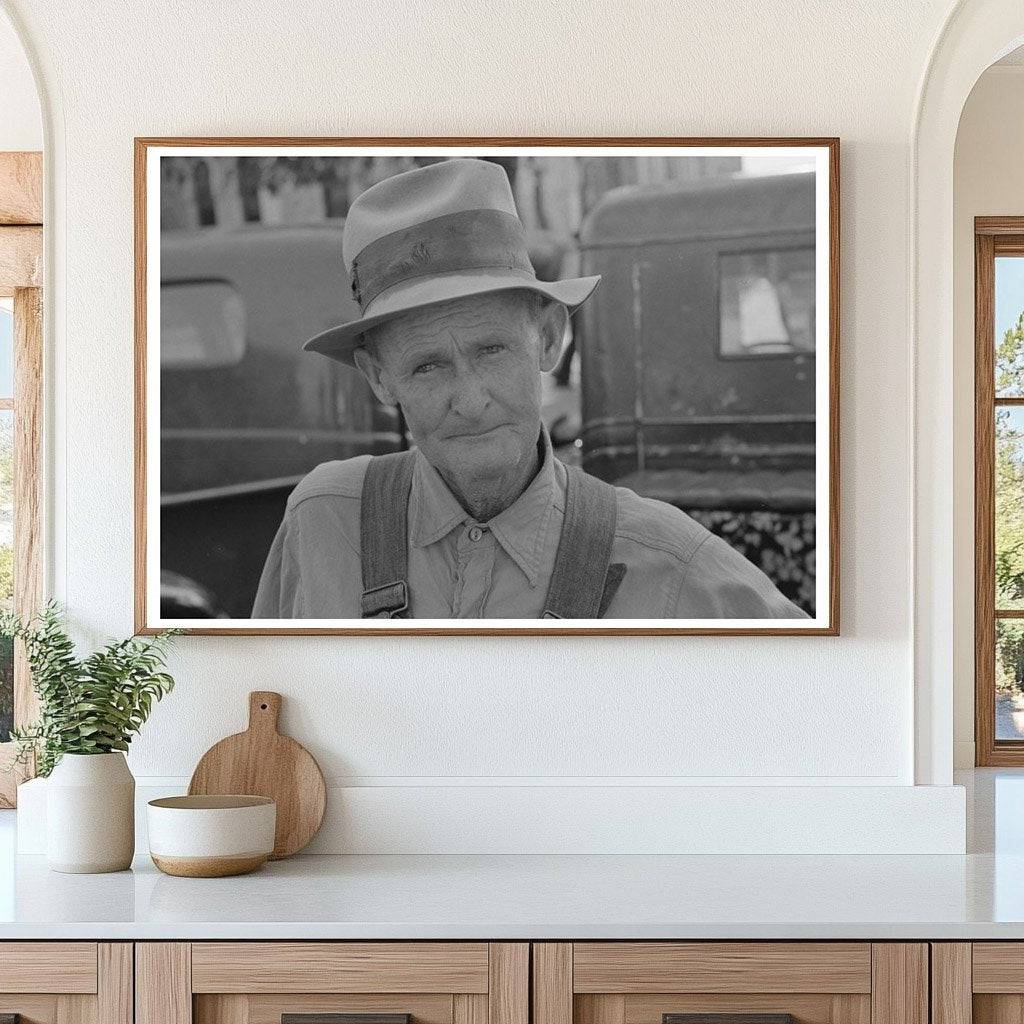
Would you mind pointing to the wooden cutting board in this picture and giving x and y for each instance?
(262, 762)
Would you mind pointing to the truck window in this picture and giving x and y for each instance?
(766, 303)
(202, 325)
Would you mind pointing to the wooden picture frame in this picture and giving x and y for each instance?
(149, 150)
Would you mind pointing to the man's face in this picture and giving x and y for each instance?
(466, 374)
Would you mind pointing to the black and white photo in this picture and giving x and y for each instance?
(448, 387)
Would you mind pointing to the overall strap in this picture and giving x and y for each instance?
(583, 582)
(383, 535)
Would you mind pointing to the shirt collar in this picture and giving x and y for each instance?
(434, 512)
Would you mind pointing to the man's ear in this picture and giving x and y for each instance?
(554, 331)
(370, 369)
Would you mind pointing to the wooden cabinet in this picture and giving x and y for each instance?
(494, 983)
(981, 982)
(649, 982)
(66, 982)
(259, 982)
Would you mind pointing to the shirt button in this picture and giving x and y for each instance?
(475, 534)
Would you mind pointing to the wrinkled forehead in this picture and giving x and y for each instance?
(507, 313)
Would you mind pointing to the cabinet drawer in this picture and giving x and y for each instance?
(262, 982)
(998, 967)
(340, 967)
(66, 982)
(48, 967)
(634, 967)
(981, 982)
(271, 1008)
(737, 982)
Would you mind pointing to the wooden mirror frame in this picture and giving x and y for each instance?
(21, 277)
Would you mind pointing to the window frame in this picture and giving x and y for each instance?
(993, 237)
(21, 253)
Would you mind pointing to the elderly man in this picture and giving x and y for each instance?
(480, 520)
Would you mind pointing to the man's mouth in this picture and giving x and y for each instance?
(472, 435)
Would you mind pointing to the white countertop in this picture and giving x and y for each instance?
(532, 897)
(976, 896)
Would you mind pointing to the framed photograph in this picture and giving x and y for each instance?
(488, 386)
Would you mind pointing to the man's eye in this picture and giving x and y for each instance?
(424, 368)
(489, 350)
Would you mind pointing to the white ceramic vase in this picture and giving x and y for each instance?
(90, 814)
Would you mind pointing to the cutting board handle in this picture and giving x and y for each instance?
(264, 709)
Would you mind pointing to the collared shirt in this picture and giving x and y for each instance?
(463, 569)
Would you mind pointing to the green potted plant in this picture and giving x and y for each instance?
(89, 710)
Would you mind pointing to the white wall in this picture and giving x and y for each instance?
(988, 181)
(21, 125)
(444, 713)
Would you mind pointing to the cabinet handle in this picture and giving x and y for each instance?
(728, 1018)
(337, 1018)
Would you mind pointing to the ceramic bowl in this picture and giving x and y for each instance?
(211, 836)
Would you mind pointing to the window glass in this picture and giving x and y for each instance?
(1009, 327)
(6, 349)
(1009, 513)
(6, 514)
(6, 567)
(1008, 492)
(766, 303)
(1009, 679)
(202, 324)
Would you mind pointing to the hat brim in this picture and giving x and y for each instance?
(340, 342)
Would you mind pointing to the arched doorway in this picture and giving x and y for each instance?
(975, 35)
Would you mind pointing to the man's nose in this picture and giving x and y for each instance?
(470, 396)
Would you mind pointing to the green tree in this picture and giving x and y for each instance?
(1009, 510)
(1009, 507)
(1010, 361)
(1009, 656)
(1009, 472)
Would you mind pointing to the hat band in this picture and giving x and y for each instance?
(467, 240)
